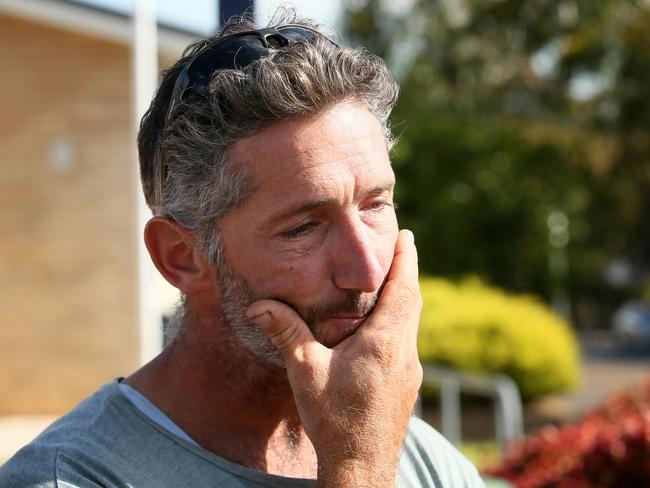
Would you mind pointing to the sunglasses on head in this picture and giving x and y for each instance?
(235, 51)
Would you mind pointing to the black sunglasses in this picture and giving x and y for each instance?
(234, 52)
(231, 52)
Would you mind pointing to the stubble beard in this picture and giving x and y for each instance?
(237, 295)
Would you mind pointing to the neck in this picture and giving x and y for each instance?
(228, 402)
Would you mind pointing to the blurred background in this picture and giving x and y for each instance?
(523, 169)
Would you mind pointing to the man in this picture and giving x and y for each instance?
(293, 361)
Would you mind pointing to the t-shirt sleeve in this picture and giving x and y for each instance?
(29, 468)
(37, 466)
(429, 460)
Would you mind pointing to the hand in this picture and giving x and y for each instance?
(355, 400)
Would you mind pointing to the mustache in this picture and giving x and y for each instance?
(350, 303)
(358, 304)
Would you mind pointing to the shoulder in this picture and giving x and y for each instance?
(30, 467)
(43, 466)
(429, 460)
(42, 462)
(106, 441)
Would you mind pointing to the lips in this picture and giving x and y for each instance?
(331, 330)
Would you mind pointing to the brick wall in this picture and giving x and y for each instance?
(67, 258)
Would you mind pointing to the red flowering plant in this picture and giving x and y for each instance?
(610, 447)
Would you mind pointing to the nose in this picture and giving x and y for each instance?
(357, 264)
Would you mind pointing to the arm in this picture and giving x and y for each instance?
(355, 400)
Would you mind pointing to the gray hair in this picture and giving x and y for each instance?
(202, 183)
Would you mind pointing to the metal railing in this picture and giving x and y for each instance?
(508, 416)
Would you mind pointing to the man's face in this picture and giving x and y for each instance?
(319, 230)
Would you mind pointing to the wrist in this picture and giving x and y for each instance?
(358, 472)
(356, 475)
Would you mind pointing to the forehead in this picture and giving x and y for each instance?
(302, 154)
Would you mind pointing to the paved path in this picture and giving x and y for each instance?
(605, 369)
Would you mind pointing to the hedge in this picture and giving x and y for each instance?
(477, 328)
(610, 446)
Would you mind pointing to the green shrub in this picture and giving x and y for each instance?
(477, 328)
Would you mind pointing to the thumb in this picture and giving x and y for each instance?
(286, 330)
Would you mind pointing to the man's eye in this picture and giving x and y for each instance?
(300, 231)
(376, 205)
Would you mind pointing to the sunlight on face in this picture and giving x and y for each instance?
(318, 232)
(237, 295)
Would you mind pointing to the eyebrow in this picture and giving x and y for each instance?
(321, 202)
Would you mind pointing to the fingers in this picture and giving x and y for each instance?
(284, 327)
(401, 290)
(405, 261)
(400, 302)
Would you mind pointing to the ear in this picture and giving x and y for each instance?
(174, 252)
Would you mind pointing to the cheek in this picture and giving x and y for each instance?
(295, 280)
(303, 277)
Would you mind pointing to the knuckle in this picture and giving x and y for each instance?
(285, 337)
(384, 351)
(413, 293)
(418, 374)
(404, 293)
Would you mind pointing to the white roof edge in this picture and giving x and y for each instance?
(94, 23)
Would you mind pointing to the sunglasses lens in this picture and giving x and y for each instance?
(239, 51)
(235, 53)
(296, 33)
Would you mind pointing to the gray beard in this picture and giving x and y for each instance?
(237, 295)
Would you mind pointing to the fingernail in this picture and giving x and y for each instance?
(263, 320)
(410, 236)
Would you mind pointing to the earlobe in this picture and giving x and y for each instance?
(174, 253)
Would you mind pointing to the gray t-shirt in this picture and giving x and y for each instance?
(107, 442)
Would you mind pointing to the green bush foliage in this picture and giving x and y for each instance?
(491, 144)
(477, 328)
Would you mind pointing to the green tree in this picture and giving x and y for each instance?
(524, 137)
